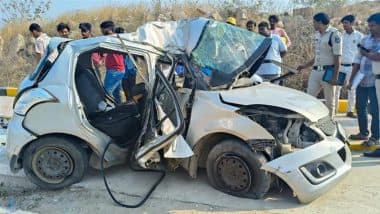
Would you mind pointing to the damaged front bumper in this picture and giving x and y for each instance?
(314, 170)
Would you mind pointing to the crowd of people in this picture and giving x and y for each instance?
(120, 71)
(341, 59)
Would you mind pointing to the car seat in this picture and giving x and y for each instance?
(122, 122)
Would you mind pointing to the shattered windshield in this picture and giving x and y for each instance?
(226, 50)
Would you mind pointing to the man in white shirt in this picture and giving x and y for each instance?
(42, 40)
(351, 39)
(268, 70)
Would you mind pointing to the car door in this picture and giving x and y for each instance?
(166, 121)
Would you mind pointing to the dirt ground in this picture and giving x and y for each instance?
(358, 193)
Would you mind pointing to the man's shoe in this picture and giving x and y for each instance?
(371, 142)
(351, 114)
(358, 137)
(373, 154)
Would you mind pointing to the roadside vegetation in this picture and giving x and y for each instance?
(17, 46)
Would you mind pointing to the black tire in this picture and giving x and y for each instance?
(233, 168)
(55, 162)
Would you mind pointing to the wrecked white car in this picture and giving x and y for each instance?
(208, 114)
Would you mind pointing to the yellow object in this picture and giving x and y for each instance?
(8, 91)
(360, 147)
(284, 40)
(342, 106)
(231, 20)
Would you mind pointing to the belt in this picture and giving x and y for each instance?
(346, 65)
(324, 67)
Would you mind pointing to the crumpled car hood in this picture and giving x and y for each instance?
(274, 95)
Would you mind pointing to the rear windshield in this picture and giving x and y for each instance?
(50, 56)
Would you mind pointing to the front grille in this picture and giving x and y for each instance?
(327, 126)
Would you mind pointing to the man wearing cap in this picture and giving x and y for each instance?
(351, 39)
(115, 67)
(231, 20)
(328, 49)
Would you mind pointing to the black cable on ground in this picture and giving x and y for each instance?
(145, 198)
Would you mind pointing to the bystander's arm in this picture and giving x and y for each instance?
(371, 55)
(38, 57)
(308, 64)
(355, 69)
(337, 49)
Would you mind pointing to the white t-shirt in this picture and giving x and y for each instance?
(273, 54)
(41, 43)
(350, 46)
(376, 66)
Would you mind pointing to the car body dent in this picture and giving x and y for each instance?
(287, 167)
(69, 121)
(220, 118)
(286, 98)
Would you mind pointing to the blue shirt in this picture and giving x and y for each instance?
(366, 64)
(130, 69)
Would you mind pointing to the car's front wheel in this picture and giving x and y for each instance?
(234, 168)
(55, 162)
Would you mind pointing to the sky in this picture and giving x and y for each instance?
(60, 7)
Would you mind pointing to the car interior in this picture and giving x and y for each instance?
(114, 119)
(100, 108)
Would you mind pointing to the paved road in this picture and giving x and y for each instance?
(358, 193)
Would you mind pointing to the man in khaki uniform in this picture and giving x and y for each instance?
(328, 50)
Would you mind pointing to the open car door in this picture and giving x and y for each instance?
(166, 123)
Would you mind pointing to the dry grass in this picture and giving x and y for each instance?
(14, 68)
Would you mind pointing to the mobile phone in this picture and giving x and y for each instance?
(363, 48)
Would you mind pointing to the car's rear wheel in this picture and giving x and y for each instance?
(55, 162)
(234, 168)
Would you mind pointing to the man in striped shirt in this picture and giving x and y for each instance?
(366, 91)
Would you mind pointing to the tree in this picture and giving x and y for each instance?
(23, 10)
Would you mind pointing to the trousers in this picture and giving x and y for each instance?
(314, 86)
